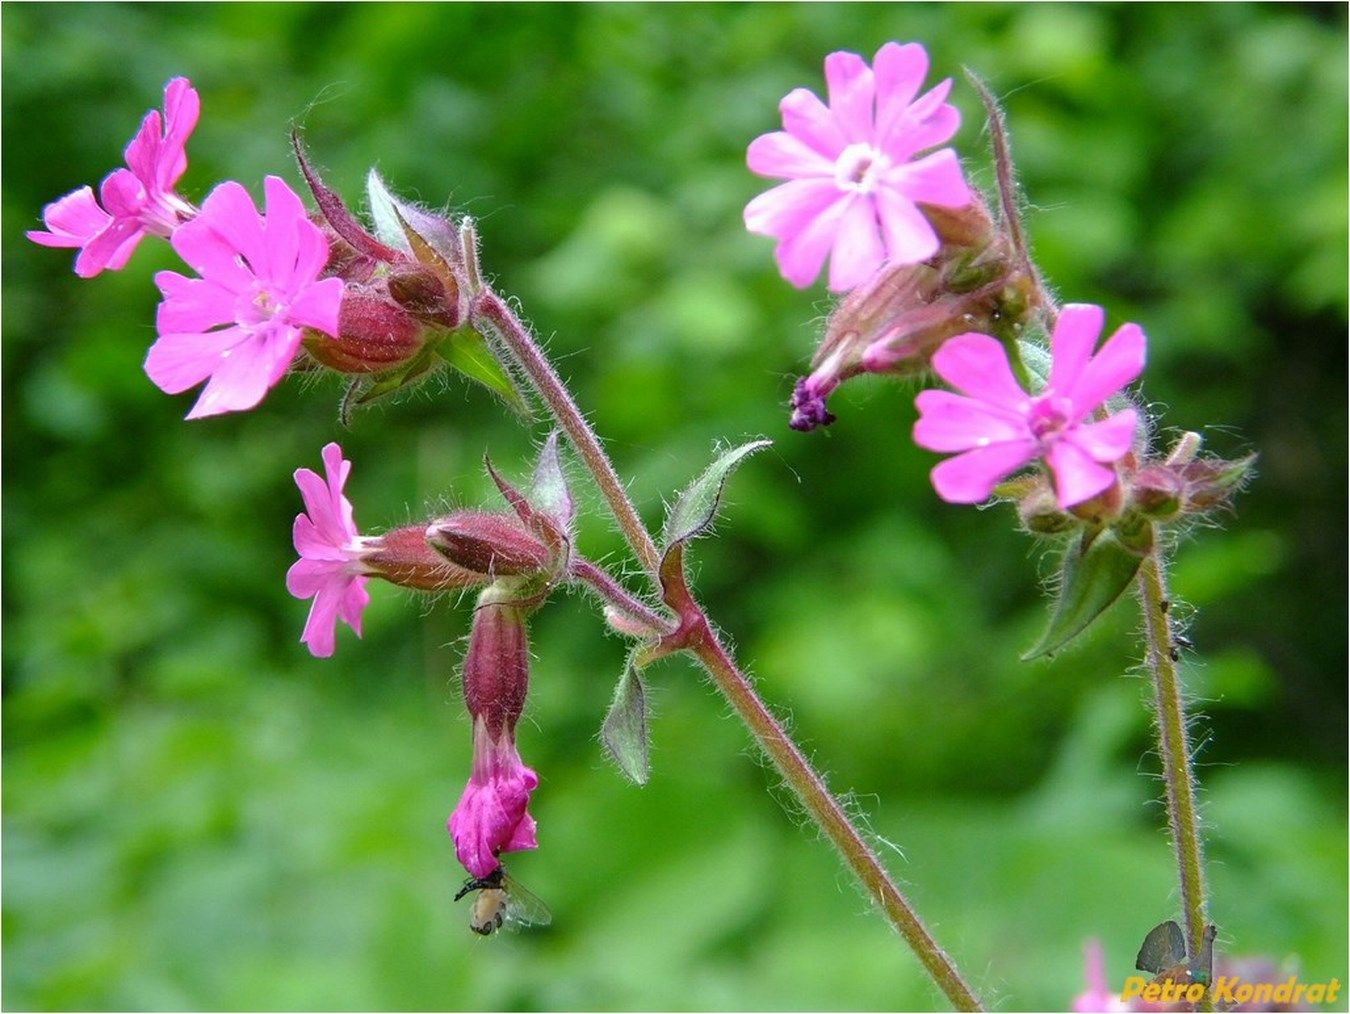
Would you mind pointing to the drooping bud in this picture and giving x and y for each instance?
(496, 545)
(376, 335)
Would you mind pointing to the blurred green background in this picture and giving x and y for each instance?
(198, 814)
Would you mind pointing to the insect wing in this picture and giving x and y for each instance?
(1163, 947)
(523, 908)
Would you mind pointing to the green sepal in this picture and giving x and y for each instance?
(1096, 570)
(467, 351)
(624, 730)
(693, 511)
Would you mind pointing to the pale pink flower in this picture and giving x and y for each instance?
(329, 569)
(138, 201)
(1098, 997)
(999, 427)
(491, 817)
(240, 324)
(854, 183)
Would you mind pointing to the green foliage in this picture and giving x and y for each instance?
(198, 814)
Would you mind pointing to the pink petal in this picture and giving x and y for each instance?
(177, 362)
(312, 544)
(801, 254)
(284, 218)
(244, 374)
(337, 469)
(857, 250)
(307, 575)
(230, 212)
(311, 254)
(181, 109)
(1108, 440)
(192, 304)
(782, 155)
(950, 422)
(355, 598)
(972, 476)
(72, 220)
(110, 249)
(1077, 477)
(849, 81)
(808, 119)
(933, 179)
(908, 235)
(789, 207)
(123, 194)
(977, 365)
(143, 149)
(1071, 344)
(211, 255)
(899, 72)
(1117, 363)
(928, 122)
(318, 306)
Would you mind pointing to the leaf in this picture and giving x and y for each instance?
(1090, 582)
(548, 491)
(693, 512)
(624, 730)
(467, 351)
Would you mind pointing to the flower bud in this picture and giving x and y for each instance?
(1211, 482)
(1040, 514)
(402, 557)
(375, 335)
(497, 545)
(423, 293)
(1156, 492)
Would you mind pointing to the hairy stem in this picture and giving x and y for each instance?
(825, 813)
(489, 308)
(604, 584)
(1173, 746)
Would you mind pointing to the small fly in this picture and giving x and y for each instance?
(502, 902)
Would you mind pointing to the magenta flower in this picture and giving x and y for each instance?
(240, 323)
(329, 569)
(853, 182)
(491, 816)
(999, 427)
(137, 201)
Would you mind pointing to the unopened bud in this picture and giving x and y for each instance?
(375, 334)
(1210, 482)
(423, 293)
(1156, 492)
(486, 543)
(1040, 513)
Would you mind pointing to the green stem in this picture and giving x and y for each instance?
(826, 813)
(1173, 746)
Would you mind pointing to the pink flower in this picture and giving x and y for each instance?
(999, 427)
(853, 183)
(240, 323)
(329, 569)
(137, 201)
(491, 815)
(1098, 996)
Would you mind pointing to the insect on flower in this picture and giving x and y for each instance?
(1164, 953)
(502, 902)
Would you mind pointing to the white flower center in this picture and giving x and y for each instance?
(859, 167)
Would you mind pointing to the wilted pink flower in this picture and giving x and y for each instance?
(240, 323)
(491, 816)
(853, 182)
(999, 427)
(329, 569)
(137, 201)
(1098, 997)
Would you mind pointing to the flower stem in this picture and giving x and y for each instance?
(1173, 746)
(604, 584)
(490, 308)
(826, 813)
